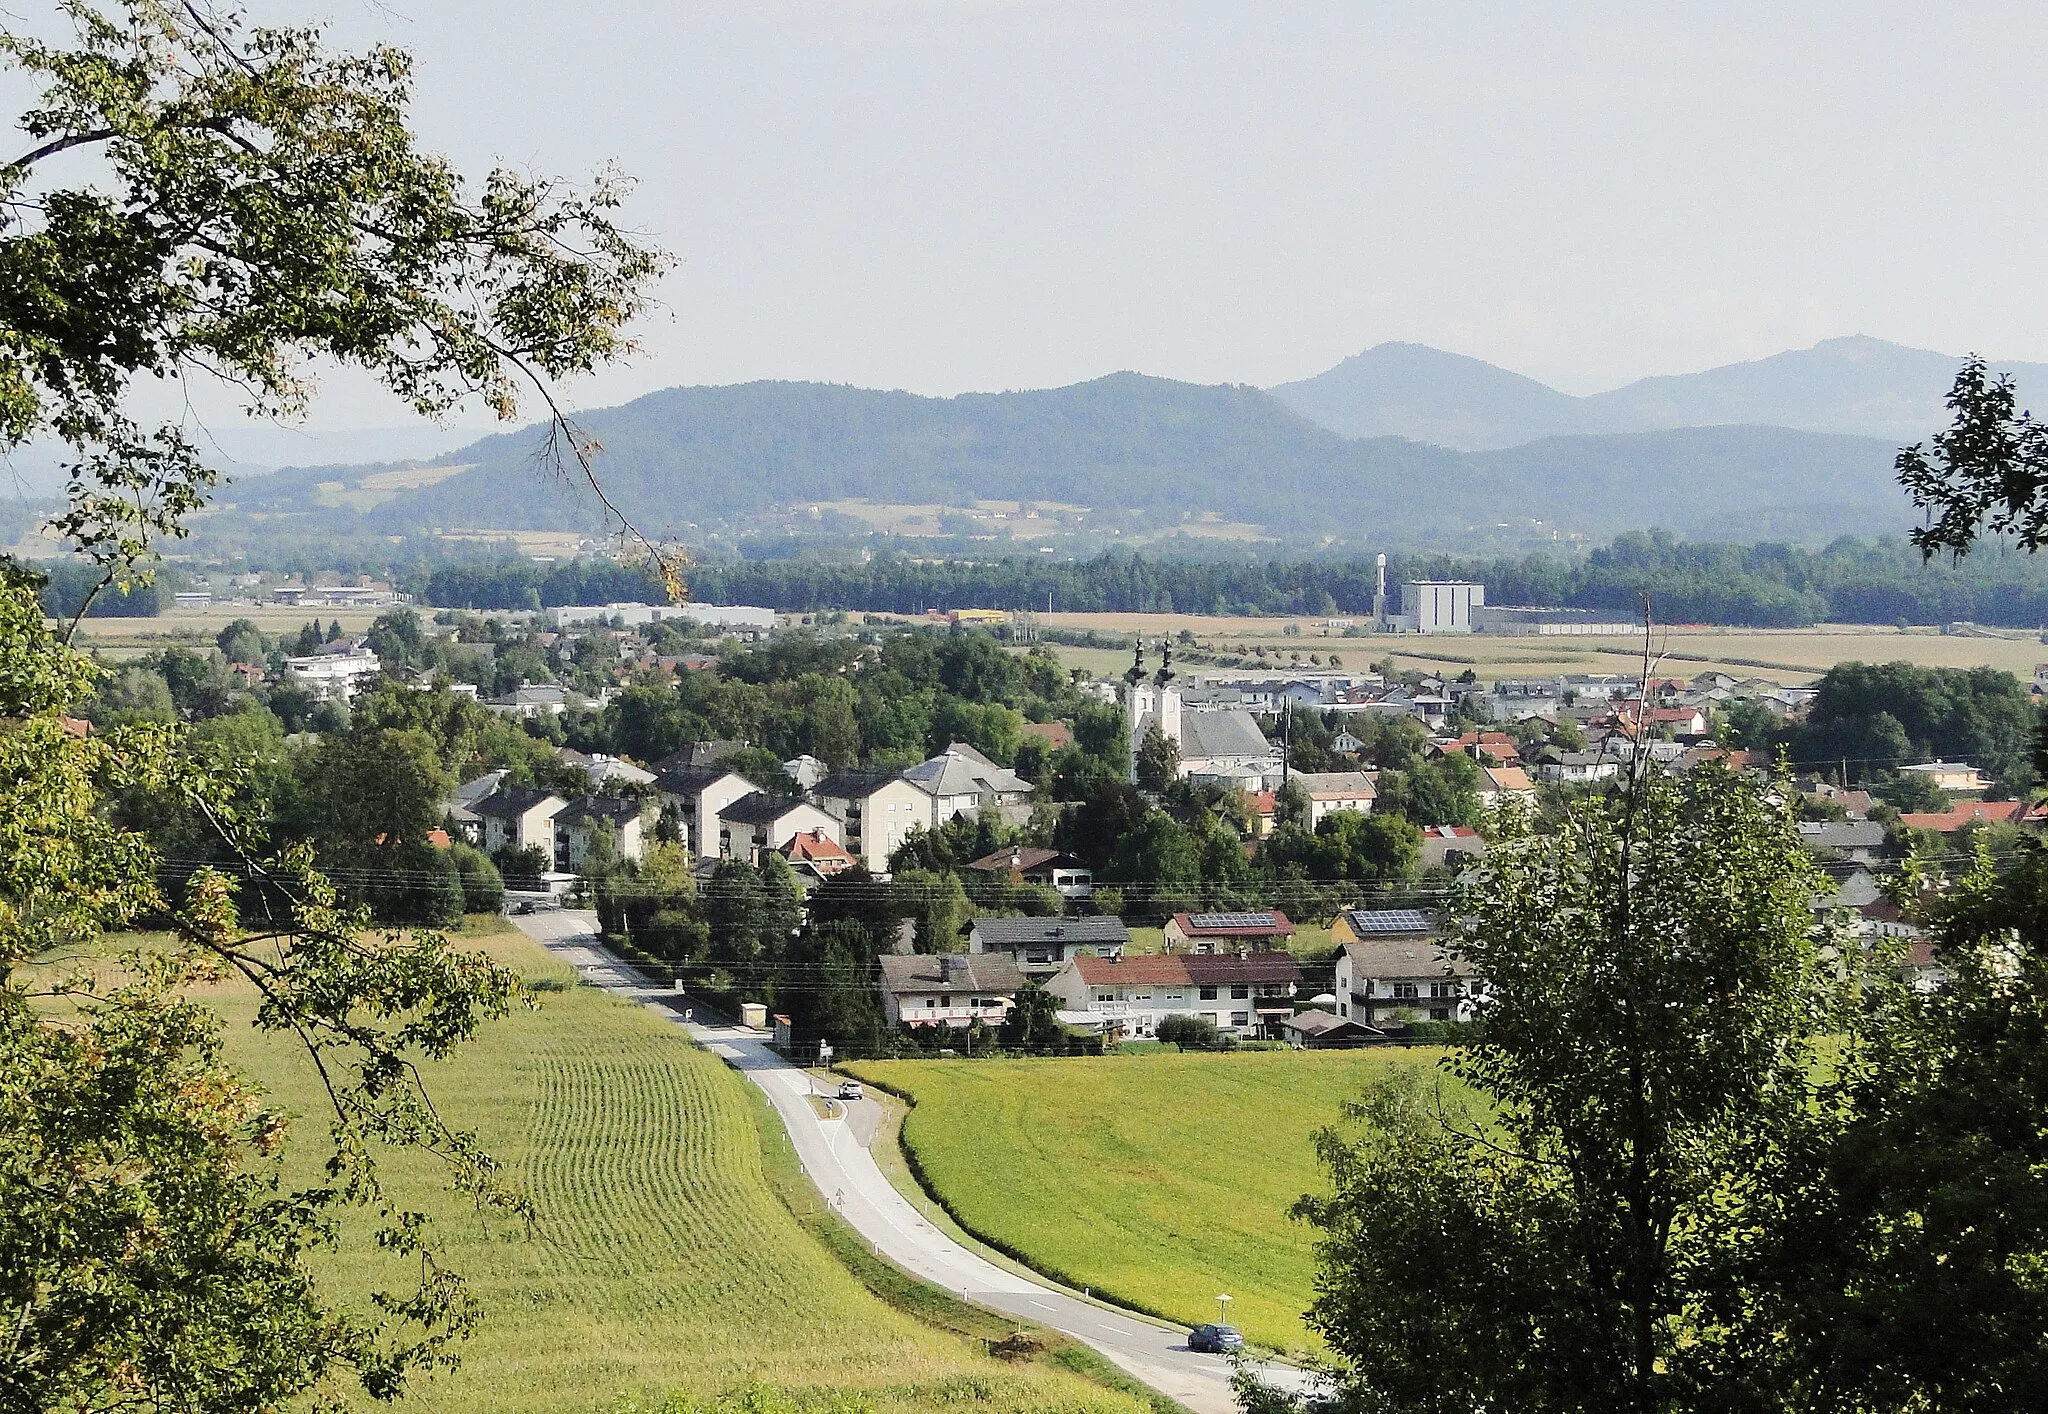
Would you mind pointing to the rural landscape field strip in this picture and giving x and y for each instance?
(660, 1259)
(1158, 1180)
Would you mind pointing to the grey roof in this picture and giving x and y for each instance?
(508, 802)
(759, 808)
(602, 807)
(1204, 734)
(951, 973)
(1022, 932)
(1843, 834)
(1387, 957)
(961, 770)
(688, 779)
(1336, 783)
(853, 784)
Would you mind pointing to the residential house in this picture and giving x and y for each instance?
(1041, 946)
(1958, 777)
(806, 770)
(1033, 864)
(814, 851)
(1400, 979)
(1332, 791)
(962, 781)
(1861, 841)
(1344, 743)
(693, 795)
(620, 821)
(1440, 843)
(1359, 925)
(1504, 783)
(1576, 767)
(1856, 804)
(876, 810)
(1969, 812)
(538, 699)
(1053, 734)
(948, 989)
(1243, 996)
(754, 824)
(1267, 930)
(460, 807)
(606, 770)
(1318, 1030)
(335, 672)
(520, 817)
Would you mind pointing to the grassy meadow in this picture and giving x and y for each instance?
(662, 1258)
(1159, 1180)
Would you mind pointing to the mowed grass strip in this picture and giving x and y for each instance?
(661, 1259)
(1158, 1180)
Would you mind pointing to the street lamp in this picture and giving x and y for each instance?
(1223, 1310)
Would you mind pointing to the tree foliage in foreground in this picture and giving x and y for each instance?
(198, 199)
(1657, 1000)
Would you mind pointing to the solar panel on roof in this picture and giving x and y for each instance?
(1232, 920)
(1390, 920)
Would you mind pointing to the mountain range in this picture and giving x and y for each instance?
(1858, 386)
(1401, 442)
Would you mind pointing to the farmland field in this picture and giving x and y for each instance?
(1788, 655)
(1159, 1180)
(661, 1259)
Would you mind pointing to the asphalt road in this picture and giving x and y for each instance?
(834, 1155)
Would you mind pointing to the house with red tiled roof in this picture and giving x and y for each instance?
(1244, 996)
(1968, 812)
(1054, 734)
(1266, 929)
(817, 851)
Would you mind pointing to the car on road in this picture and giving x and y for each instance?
(1216, 1340)
(852, 1090)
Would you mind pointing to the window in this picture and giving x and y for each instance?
(1439, 1013)
(1039, 955)
(1105, 996)
(1208, 994)
(1141, 996)
(1405, 991)
(1240, 1018)
(1240, 992)
(1443, 989)
(1173, 996)
(931, 1001)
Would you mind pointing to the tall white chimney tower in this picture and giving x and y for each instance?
(1379, 594)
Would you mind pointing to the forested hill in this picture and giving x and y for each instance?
(688, 459)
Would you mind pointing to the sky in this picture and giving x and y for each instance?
(944, 195)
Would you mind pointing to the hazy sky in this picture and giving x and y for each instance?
(950, 194)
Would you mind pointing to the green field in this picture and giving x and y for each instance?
(662, 1259)
(1158, 1180)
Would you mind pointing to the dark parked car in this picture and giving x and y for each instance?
(1217, 1340)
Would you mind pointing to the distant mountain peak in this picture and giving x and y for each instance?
(1855, 384)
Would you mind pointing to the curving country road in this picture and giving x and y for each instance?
(834, 1153)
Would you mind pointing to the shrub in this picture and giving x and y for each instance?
(1190, 1033)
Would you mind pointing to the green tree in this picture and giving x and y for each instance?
(196, 199)
(132, 694)
(1657, 1009)
(1033, 1020)
(1158, 761)
(242, 642)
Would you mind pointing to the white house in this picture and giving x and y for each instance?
(949, 989)
(335, 676)
(754, 824)
(875, 811)
(1244, 996)
(1403, 979)
(695, 795)
(620, 820)
(962, 781)
(520, 817)
(1332, 791)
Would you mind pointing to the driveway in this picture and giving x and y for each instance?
(834, 1155)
